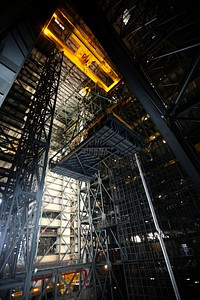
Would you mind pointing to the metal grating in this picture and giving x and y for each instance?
(144, 266)
(109, 137)
(176, 203)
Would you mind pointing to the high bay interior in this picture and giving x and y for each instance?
(99, 151)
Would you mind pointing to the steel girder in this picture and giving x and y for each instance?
(152, 34)
(22, 196)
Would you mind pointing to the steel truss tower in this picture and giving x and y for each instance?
(22, 196)
(97, 235)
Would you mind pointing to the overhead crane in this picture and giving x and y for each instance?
(67, 37)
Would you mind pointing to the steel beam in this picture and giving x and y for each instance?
(139, 85)
(185, 83)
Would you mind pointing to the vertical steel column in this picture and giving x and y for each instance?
(79, 220)
(159, 231)
(104, 235)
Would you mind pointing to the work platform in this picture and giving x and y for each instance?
(110, 137)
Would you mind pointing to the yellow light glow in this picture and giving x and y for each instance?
(17, 294)
(35, 290)
(85, 55)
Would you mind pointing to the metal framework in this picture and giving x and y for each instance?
(155, 204)
(162, 80)
(22, 196)
(82, 157)
(18, 38)
(80, 51)
(142, 223)
(58, 237)
(98, 243)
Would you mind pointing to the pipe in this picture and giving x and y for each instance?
(160, 233)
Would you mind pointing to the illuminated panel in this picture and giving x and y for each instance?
(76, 47)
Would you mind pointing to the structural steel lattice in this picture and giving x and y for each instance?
(97, 232)
(22, 197)
(175, 204)
(106, 138)
(159, 61)
(164, 81)
(58, 225)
